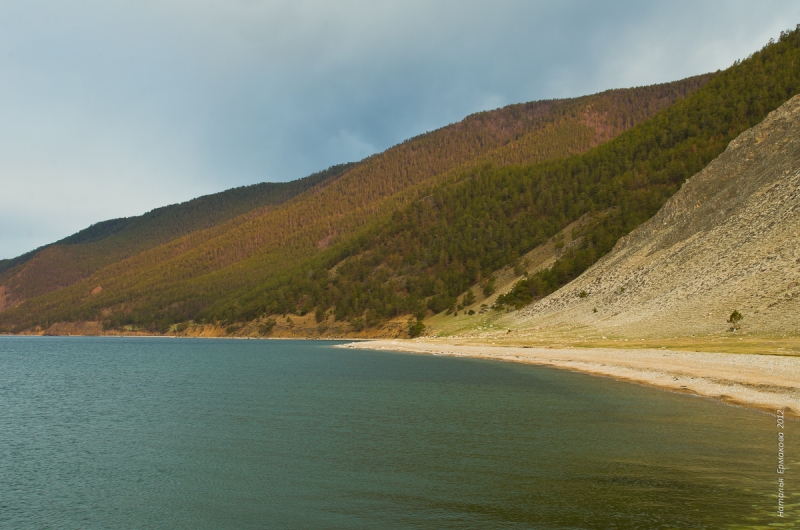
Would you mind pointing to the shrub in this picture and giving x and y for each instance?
(469, 298)
(488, 287)
(266, 327)
(734, 319)
(372, 318)
(415, 328)
(520, 267)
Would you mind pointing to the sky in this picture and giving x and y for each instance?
(111, 108)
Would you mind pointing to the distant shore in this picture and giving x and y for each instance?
(765, 382)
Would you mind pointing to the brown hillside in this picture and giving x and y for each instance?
(209, 263)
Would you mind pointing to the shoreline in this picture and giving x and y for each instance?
(165, 336)
(756, 381)
(765, 382)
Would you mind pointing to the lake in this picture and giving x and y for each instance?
(180, 433)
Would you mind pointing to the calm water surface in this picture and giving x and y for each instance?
(160, 433)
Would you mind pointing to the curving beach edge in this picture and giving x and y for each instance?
(765, 382)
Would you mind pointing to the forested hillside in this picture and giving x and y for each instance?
(191, 275)
(431, 251)
(727, 240)
(79, 255)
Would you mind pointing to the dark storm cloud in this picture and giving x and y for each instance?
(113, 108)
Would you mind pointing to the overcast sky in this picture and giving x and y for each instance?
(111, 108)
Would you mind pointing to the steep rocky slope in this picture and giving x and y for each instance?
(729, 239)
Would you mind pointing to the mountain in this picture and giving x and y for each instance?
(462, 233)
(181, 262)
(76, 257)
(524, 199)
(727, 241)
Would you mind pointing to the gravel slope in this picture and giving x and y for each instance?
(727, 240)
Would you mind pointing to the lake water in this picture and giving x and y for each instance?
(161, 433)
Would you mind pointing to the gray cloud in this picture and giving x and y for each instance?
(113, 108)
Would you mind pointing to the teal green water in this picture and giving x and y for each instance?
(160, 433)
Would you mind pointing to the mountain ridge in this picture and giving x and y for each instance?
(408, 233)
(340, 216)
(183, 218)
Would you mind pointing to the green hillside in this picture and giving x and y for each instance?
(429, 252)
(215, 269)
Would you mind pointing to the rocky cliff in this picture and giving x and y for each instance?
(728, 240)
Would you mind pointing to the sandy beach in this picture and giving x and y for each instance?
(766, 382)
